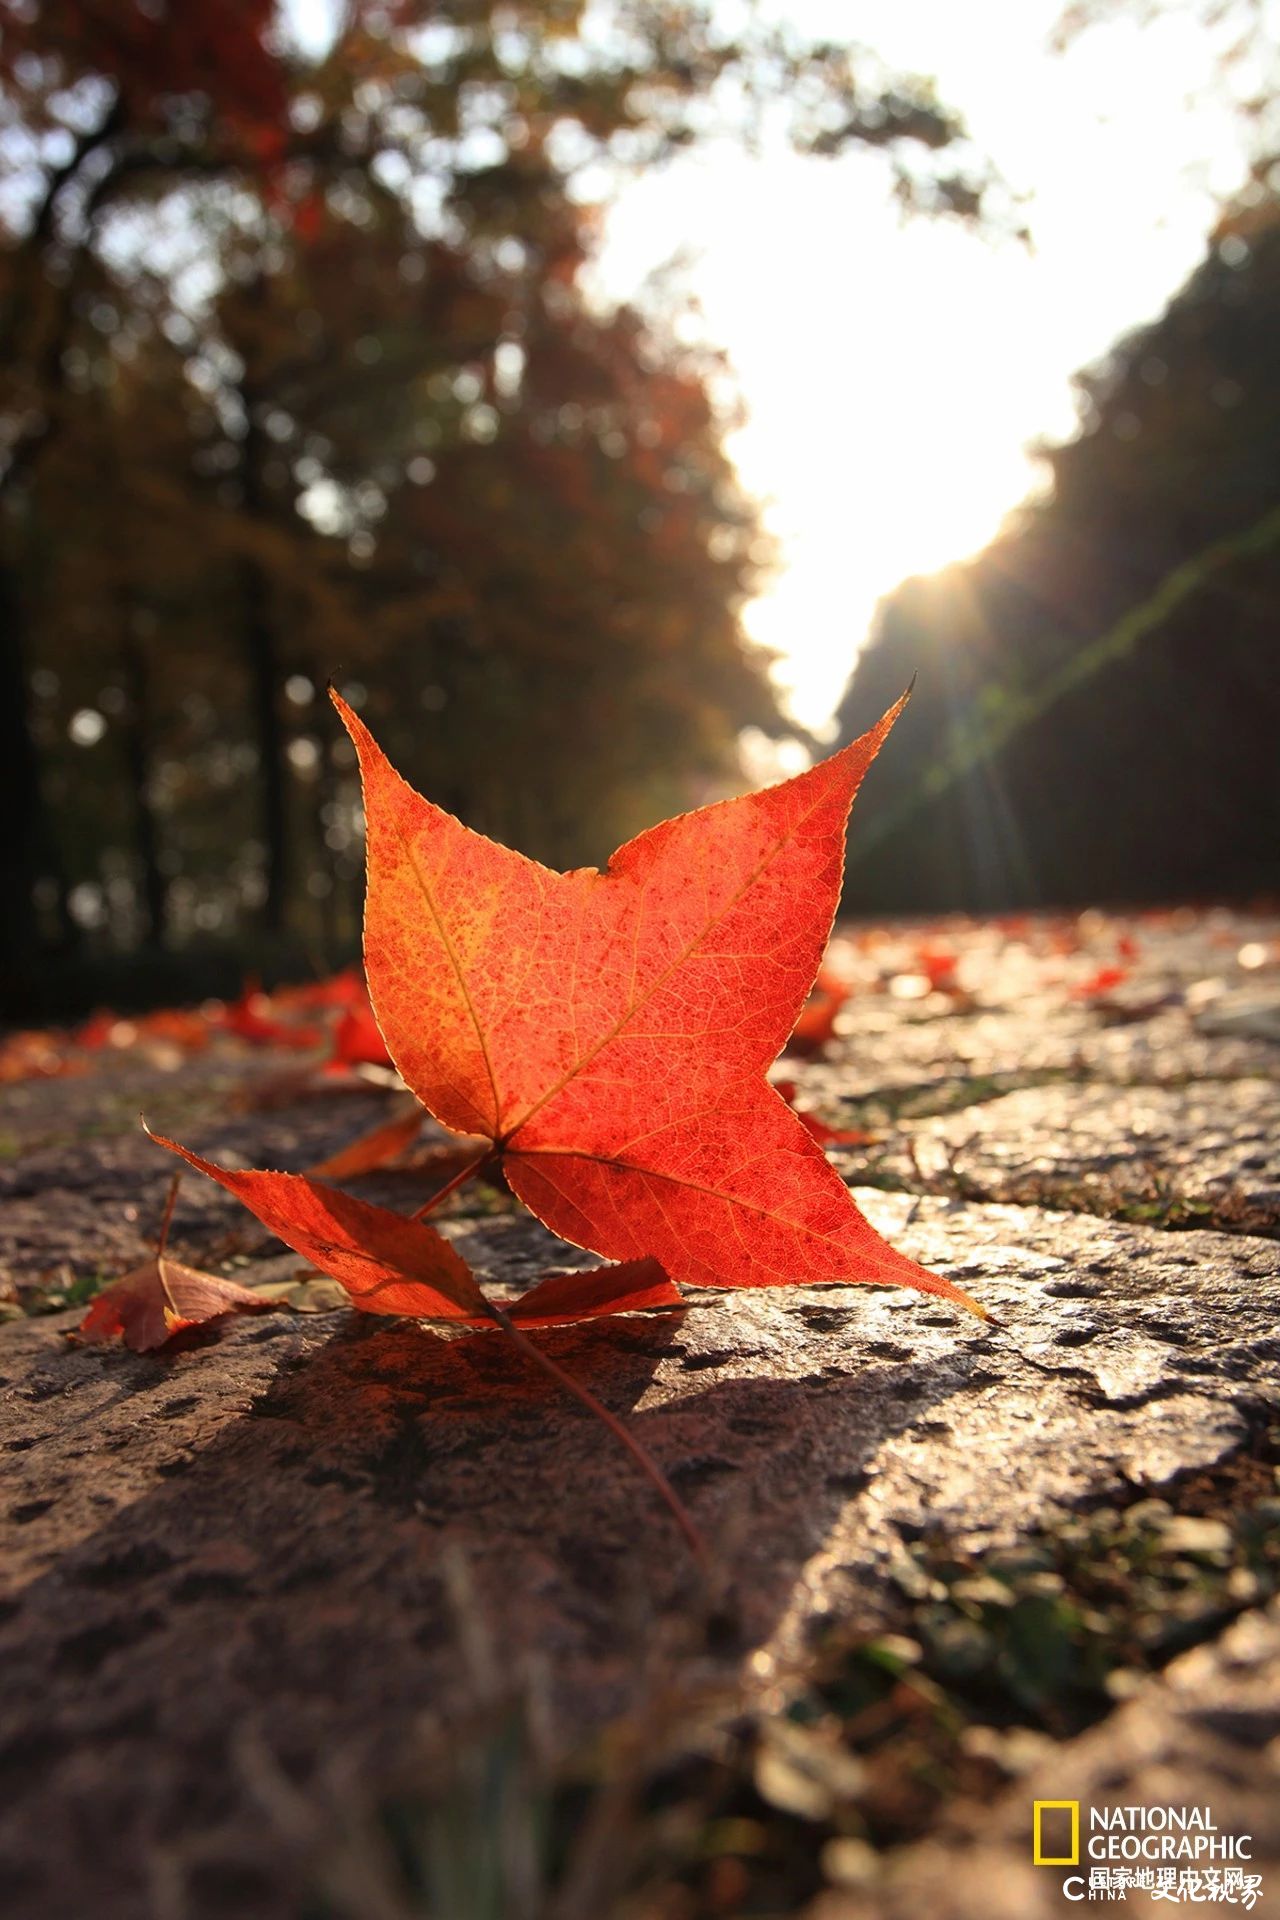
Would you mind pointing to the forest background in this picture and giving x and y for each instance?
(304, 376)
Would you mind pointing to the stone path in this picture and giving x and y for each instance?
(237, 1579)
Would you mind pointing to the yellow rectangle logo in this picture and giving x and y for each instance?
(1039, 1856)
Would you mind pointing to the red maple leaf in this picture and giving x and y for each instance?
(391, 1264)
(251, 1018)
(357, 1041)
(606, 1035)
(160, 1298)
(163, 1297)
(610, 1032)
(825, 1134)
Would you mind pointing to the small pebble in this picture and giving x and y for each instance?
(1184, 1533)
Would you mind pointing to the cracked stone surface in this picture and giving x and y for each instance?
(1207, 1153)
(884, 1048)
(252, 1532)
(249, 1545)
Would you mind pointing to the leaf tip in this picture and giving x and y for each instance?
(345, 712)
(975, 1307)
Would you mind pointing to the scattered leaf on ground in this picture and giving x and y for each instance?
(251, 1018)
(390, 1264)
(636, 1286)
(825, 1135)
(377, 1148)
(387, 1263)
(160, 1298)
(357, 1041)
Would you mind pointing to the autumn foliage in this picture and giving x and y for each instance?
(605, 1037)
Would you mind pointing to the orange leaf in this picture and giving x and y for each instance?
(825, 1135)
(373, 1149)
(189, 1031)
(161, 1298)
(817, 1022)
(388, 1264)
(250, 1018)
(357, 1042)
(634, 1287)
(610, 1032)
(34, 1055)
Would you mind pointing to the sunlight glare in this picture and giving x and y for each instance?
(897, 375)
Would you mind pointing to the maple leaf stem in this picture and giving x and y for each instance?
(642, 1457)
(459, 1179)
(162, 1239)
(170, 1304)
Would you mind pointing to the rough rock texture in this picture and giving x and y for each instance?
(82, 1187)
(251, 1545)
(1204, 1154)
(251, 1533)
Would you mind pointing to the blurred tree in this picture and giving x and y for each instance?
(299, 374)
(1099, 694)
(94, 102)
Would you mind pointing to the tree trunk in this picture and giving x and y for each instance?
(264, 675)
(139, 732)
(21, 805)
(264, 682)
(27, 848)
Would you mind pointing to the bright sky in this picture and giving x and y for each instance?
(894, 374)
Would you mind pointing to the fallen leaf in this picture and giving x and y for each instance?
(606, 1037)
(938, 964)
(637, 1286)
(371, 1150)
(160, 1298)
(1103, 981)
(251, 1018)
(390, 1264)
(357, 1041)
(345, 989)
(98, 1030)
(825, 1135)
(34, 1055)
(815, 1028)
(387, 1263)
(610, 1032)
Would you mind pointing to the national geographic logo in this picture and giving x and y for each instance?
(1178, 1854)
(1064, 1833)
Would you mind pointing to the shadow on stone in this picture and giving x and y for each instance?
(287, 1576)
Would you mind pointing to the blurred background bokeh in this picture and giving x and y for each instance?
(575, 382)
